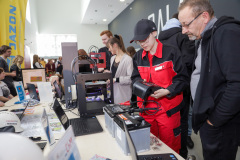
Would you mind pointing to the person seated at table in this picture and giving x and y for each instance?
(4, 90)
(16, 66)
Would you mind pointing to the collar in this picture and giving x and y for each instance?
(209, 25)
(158, 51)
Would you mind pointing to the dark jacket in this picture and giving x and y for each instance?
(175, 37)
(167, 71)
(218, 92)
(18, 77)
(108, 56)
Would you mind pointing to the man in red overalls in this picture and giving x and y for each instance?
(162, 65)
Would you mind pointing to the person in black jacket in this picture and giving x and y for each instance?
(105, 36)
(172, 34)
(162, 65)
(16, 66)
(215, 81)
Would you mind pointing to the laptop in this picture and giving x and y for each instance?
(32, 91)
(133, 152)
(20, 115)
(59, 93)
(81, 126)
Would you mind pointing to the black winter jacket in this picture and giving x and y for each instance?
(218, 92)
(175, 37)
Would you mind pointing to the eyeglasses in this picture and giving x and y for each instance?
(143, 41)
(187, 25)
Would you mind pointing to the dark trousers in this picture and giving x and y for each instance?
(184, 123)
(220, 143)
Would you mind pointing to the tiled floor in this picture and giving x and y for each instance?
(197, 149)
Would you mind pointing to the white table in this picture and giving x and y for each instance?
(102, 144)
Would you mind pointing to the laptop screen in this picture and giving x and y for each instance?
(132, 148)
(58, 91)
(60, 114)
(32, 91)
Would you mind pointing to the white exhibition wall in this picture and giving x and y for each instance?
(60, 17)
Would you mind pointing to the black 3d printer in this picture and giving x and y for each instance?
(92, 85)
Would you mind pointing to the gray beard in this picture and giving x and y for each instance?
(192, 38)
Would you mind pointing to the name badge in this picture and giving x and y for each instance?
(158, 68)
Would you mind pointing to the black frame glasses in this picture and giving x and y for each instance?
(187, 25)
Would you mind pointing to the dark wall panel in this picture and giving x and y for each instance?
(160, 11)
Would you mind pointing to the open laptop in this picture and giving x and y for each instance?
(58, 90)
(81, 126)
(20, 115)
(59, 93)
(133, 152)
(32, 91)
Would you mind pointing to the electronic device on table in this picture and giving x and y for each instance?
(81, 126)
(99, 58)
(32, 91)
(144, 89)
(133, 152)
(33, 76)
(93, 96)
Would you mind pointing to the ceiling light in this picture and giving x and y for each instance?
(122, 0)
(104, 20)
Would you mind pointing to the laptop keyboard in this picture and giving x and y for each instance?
(80, 126)
(151, 158)
(157, 157)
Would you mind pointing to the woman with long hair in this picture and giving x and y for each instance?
(16, 66)
(121, 68)
(36, 62)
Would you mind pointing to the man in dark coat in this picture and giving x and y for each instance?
(215, 81)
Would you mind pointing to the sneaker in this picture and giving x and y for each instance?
(191, 157)
(190, 143)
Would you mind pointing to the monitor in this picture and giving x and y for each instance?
(33, 76)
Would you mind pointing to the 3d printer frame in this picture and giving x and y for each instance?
(85, 108)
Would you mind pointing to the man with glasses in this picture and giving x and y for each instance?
(162, 65)
(215, 81)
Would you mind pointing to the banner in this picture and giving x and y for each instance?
(12, 28)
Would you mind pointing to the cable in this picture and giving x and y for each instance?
(143, 109)
(91, 47)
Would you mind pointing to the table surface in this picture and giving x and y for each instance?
(102, 144)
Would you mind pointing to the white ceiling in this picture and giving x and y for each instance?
(97, 10)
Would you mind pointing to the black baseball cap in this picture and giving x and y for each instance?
(142, 29)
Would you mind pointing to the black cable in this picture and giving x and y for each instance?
(146, 109)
